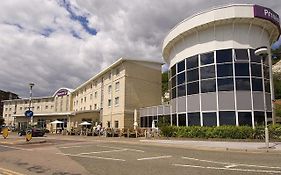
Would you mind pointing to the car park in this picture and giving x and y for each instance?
(36, 132)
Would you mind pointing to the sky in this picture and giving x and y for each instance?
(63, 43)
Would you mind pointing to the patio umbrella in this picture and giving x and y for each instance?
(56, 122)
(85, 123)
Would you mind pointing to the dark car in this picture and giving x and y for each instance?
(36, 132)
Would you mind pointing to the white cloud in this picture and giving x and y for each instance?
(58, 59)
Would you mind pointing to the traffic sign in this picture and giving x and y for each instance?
(28, 113)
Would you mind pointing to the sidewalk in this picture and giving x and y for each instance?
(220, 145)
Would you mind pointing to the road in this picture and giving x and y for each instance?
(76, 155)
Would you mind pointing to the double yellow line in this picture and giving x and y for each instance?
(4, 171)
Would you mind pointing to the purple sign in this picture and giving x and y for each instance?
(62, 92)
(266, 13)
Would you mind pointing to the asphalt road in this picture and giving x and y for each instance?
(101, 156)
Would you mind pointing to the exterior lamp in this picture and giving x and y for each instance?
(30, 97)
(263, 53)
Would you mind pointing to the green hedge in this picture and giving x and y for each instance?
(227, 132)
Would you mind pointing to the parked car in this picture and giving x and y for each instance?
(36, 132)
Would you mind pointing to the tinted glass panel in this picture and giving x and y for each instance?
(150, 121)
(269, 117)
(174, 119)
(259, 118)
(192, 62)
(242, 69)
(207, 58)
(174, 93)
(223, 56)
(226, 84)
(207, 72)
(181, 66)
(257, 84)
(267, 85)
(192, 75)
(266, 72)
(224, 70)
(174, 82)
(227, 118)
(193, 88)
(256, 70)
(194, 119)
(160, 119)
(181, 78)
(182, 119)
(145, 121)
(142, 122)
(181, 91)
(208, 85)
(241, 54)
(210, 119)
(173, 70)
(167, 119)
(265, 60)
(245, 118)
(254, 58)
(242, 84)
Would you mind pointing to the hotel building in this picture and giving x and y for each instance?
(110, 97)
(214, 75)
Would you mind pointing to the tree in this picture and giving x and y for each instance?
(165, 86)
(277, 85)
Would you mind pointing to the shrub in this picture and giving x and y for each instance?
(226, 132)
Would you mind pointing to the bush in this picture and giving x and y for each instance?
(225, 132)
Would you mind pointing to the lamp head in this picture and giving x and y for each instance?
(261, 51)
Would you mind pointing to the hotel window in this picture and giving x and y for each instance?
(241, 55)
(224, 70)
(52, 106)
(256, 70)
(95, 106)
(207, 58)
(116, 124)
(84, 108)
(207, 72)
(242, 69)
(193, 88)
(109, 102)
(192, 62)
(192, 75)
(173, 70)
(6, 115)
(224, 56)
(210, 119)
(257, 84)
(81, 100)
(96, 94)
(181, 66)
(208, 85)
(194, 119)
(227, 118)
(182, 119)
(181, 78)
(46, 107)
(91, 86)
(109, 89)
(254, 57)
(20, 108)
(116, 101)
(225, 84)
(242, 84)
(85, 99)
(91, 96)
(10, 109)
(181, 90)
(73, 103)
(245, 118)
(117, 86)
(109, 76)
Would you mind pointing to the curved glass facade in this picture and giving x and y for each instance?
(223, 87)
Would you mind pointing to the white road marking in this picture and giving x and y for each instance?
(129, 149)
(230, 163)
(97, 152)
(66, 147)
(12, 147)
(230, 166)
(228, 169)
(10, 171)
(91, 157)
(152, 158)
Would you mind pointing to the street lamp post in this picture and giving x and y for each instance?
(30, 98)
(263, 52)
